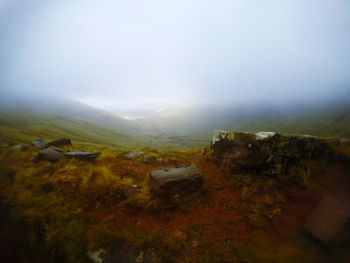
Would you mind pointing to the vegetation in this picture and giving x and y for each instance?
(60, 211)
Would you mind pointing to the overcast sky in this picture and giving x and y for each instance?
(141, 55)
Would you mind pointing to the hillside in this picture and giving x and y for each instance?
(63, 118)
(196, 125)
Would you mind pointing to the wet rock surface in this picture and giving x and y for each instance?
(183, 179)
(264, 153)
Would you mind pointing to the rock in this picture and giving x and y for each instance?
(133, 155)
(89, 156)
(150, 158)
(217, 136)
(49, 155)
(183, 179)
(39, 143)
(264, 153)
(19, 147)
(329, 217)
(57, 149)
(97, 256)
(264, 135)
(60, 142)
(139, 258)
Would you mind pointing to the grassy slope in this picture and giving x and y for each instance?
(195, 126)
(173, 127)
(24, 127)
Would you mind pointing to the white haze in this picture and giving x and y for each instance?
(136, 56)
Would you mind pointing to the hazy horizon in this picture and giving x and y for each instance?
(135, 57)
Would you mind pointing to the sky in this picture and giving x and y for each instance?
(135, 56)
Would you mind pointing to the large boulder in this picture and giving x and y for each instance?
(88, 156)
(183, 179)
(267, 153)
(49, 155)
(39, 143)
(329, 217)
(60, 142)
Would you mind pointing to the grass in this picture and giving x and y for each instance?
(71, 206)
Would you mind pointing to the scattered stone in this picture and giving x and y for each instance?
(60, 142)
(329, 217)
(89, 156)
(49, 155)
(133, 155)
(19, 147)
(183, 179)
(97, 256)
(39, 143)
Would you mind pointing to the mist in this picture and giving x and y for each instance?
(139, 56)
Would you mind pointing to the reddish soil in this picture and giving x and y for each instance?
(218, 218)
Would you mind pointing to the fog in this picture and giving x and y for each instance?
(135, 56)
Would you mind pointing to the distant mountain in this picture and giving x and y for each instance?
(24, 121)
(196, 125)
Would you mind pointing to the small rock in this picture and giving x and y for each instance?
(39, 143)
(264, 135)
(60, 142)
(139, 258)
(89, 156)
(133, 155)
(19, 147)
(184, 179)
(49, 155)
(96, 256)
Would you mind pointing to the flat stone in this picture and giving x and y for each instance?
(329, 217)
(183, 179)
(60, 142)
(89, 156)
(49, 155)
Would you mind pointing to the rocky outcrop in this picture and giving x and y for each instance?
(179, 180)
(264, 153)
